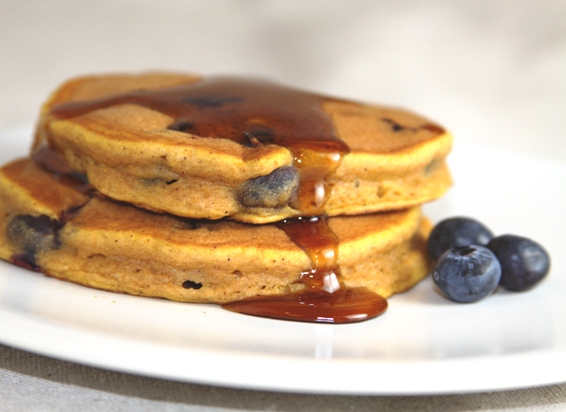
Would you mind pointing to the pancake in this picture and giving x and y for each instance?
(53, 224)
(249, 150)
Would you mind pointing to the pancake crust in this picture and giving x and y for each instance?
(68, 234)
(129, 153)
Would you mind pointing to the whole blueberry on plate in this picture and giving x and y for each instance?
(524, 262)
(457, 231)
(467, 274)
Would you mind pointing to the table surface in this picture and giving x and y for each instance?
(492, 72)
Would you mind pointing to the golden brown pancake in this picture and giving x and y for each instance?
(249, 150)
(52, 223)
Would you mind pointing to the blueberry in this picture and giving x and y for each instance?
(31, 235)
(524, 262)
(457, 231)
(189, 284)
(467, 274)
(273, 190)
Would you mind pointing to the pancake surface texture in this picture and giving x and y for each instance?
(52, 223)
(215, 147)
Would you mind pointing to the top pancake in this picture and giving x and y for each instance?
(249, 150)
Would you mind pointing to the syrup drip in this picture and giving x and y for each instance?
(344, 306)
(245, 111)
(254, 112)
(324, 298)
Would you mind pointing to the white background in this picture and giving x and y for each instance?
(490, 71)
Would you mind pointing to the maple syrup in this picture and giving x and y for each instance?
(244, 111)
(324, 297)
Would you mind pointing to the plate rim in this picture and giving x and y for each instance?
(542, 361)
(411, 373)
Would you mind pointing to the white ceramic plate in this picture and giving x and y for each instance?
(422, 345)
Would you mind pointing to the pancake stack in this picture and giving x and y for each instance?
(267, 200)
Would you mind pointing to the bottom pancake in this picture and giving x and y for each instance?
(49, 223)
